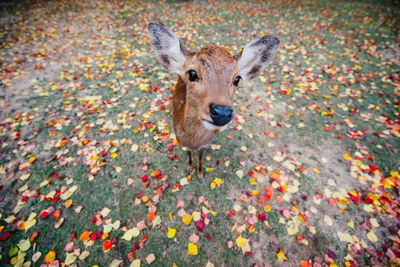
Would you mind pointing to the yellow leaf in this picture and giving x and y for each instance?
(346, 157)
(12, 251)
(372, 237)
(292, 228)
(187, 219)
(171, 232)
(212, 185)
(50, 257)
(31, 221)
(115, 263)
(107, 228)
(70, 258)
(25, 176)
(239, 241)
(281, 256)
(134, 232)
(350, 224)
(32, 160)
(135, 263)
(105, 211)
(196, 216)
(128, 235)
(192, 249)
(24, 245)
(345, 237)
(84, 255)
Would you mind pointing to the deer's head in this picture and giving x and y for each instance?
(212, 74)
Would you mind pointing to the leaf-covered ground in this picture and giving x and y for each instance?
(91, 172)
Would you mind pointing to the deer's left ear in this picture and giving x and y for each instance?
(168, 48)
(256, 55)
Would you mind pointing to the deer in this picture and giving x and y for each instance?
(202, 100)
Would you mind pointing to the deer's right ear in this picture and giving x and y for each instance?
(168, 48)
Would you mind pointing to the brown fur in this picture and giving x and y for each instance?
(216, 70)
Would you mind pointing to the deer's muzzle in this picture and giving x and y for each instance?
(220, 115)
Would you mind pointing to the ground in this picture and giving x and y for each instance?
(91, 172)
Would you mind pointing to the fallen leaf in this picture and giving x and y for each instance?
(70, 258)
(135, 263)
(192, 249)
(194, 238)
(372, 237)
(50, 257)
(187, 219)
(281, 256)
(171, 232)
(107, 245)
(85, 236)
(150, 258)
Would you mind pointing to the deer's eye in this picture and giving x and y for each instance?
(192, 75)
(237, 80)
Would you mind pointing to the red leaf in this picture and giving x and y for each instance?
(44, 215)
(200, 225)
(5, 236)
(134, 247)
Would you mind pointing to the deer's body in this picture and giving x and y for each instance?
(207, 81)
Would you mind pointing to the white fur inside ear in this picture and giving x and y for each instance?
(167, 47)
(212, 127)
(249, 56)
(176, 57)
(256, 56)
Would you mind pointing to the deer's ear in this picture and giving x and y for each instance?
(168, 48)
(256, 55)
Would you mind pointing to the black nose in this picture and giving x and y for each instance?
(220, 115)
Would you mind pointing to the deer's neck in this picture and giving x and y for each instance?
(179, 102)
(188, 128)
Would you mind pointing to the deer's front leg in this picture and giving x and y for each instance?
(189, 168)
(199, 165)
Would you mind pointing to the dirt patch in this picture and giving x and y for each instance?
(391, 54)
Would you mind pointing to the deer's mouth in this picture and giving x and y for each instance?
(213, 127)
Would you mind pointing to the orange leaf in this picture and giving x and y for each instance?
(68, 203)
(85, 236)
(151, 216)
(305, 263)
(50, 257)
(274, 175)
(33, 236)
(56, 214)
(107, 245)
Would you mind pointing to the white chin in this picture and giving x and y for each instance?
(212, 127)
